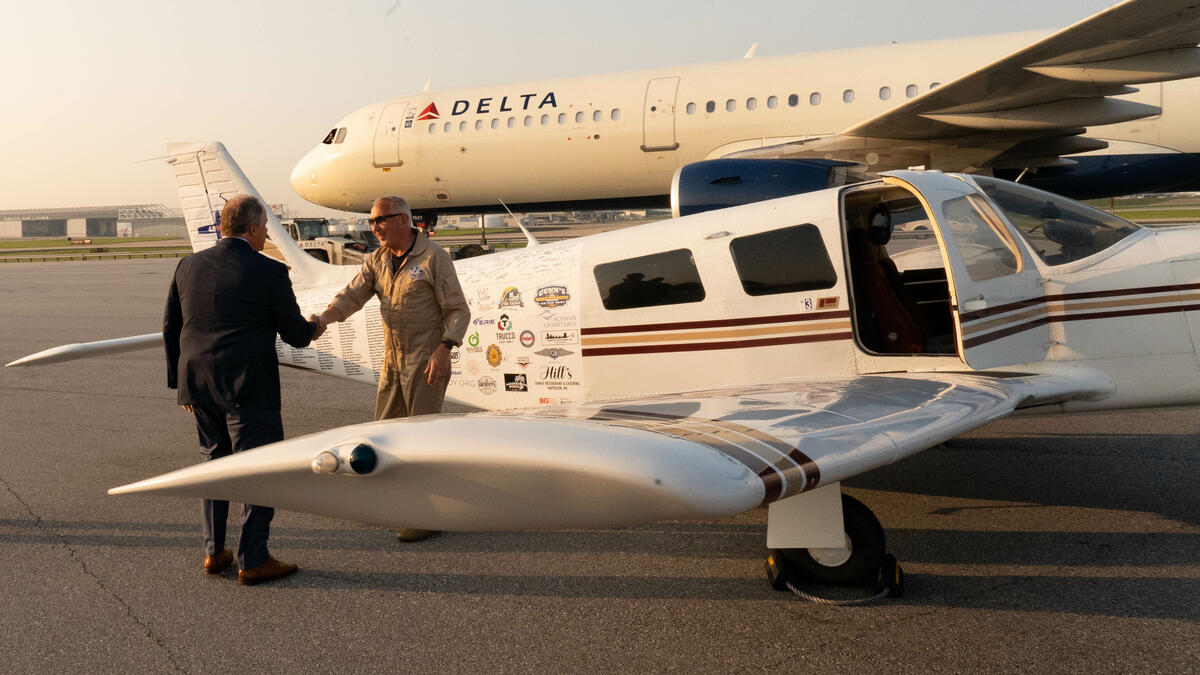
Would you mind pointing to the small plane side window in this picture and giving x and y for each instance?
(814, 98)
(579, 117)
(341, 135)
(668, 278)
(885, 93)
(787, 260)
(911, 91)
(691, 108)
(985, 245)
(330, 136)
(711, 106)
(772, 102)
(848, 96)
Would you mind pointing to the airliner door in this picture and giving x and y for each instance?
(658, 115)
(387, 134)
(996, 291)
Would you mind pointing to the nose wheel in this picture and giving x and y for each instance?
(862, 560)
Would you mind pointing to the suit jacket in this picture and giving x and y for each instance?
(225, 306)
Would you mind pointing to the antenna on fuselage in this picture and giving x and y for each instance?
(428, 84)
(528, 235)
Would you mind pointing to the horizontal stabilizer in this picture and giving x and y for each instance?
(87, 349)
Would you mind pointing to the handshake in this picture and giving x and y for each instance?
(321, 325)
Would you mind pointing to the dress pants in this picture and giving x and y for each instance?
(224, 431)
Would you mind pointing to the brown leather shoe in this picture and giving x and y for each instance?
(408, 534)
(215, 564)
(268, 571)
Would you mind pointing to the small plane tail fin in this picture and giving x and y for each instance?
(206, 177)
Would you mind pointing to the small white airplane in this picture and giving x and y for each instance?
(1057, 110)
(706, 365)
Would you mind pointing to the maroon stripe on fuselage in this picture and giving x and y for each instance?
(1064, 297)
(1062, 318)
(716, 323)
(706, 346)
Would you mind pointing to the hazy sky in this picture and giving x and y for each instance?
(89, 88)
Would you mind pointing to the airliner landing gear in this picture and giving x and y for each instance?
(863, 561)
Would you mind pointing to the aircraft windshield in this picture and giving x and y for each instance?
(1058, 229)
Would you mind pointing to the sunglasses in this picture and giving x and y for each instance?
(380, 219)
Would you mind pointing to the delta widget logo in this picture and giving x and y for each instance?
(429, 113)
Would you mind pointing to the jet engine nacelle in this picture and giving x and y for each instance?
(721, 183)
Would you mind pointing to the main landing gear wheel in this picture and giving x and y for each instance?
(863, 561)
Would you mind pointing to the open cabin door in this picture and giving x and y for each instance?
(996, 291)
(387, 134)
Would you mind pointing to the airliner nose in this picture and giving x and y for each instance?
(304, 178)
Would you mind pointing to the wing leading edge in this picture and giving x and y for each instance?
(698, 455)
(1029, 108)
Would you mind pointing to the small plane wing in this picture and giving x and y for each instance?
(696, 455)
(81, 350)
(1031, 107)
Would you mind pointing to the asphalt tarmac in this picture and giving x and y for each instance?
(1032, 545)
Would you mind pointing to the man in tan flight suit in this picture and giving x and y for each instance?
(424, 313)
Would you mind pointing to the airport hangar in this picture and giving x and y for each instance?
(124, 220)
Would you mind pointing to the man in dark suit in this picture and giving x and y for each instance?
(224, 309)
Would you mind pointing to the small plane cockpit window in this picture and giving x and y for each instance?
(983, 242)
(668, 278)
(341, 135)
(330, 136)
(788, 260)
(1058, 229)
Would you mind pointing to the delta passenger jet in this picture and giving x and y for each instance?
(1057, 111)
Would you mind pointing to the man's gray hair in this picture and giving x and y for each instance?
(399, 204)
(239, 214)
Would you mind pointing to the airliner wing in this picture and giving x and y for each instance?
(1029, 108)
(697, 455)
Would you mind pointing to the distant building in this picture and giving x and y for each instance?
(126, 220)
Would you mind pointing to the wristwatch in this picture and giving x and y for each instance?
(450, 344)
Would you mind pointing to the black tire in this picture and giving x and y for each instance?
(923, 232)
(867, 548)
(469, 251)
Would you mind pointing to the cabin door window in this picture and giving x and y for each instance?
(658, 115)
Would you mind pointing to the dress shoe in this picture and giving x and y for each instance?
(408, 534)
(215, 564)
(268, 571)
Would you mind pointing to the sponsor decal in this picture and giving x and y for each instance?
(506, 335)
(556, 377)
(504, 323)
(454, 355)
(455, 373)
(515, 382)
(527, 338)
(552, 296)
(464, 382)
(473, 339)
(827, 303)
(554, 352)
(808, 304)
(487, 385)
(429, 113)
(523, 362)
(558, 320)
(484, 298)
(489, 104)
(494, 356)
(473, 367)
(560, 337)
(483, 322)
(511, 297)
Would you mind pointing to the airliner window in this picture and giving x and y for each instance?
(981, 238)
(330, 136)
(562, 118)
(772, 101)
(668, 278)
(691, 108)
(615, 115)
(579, 117)
(911, 91)
(814, 98)
(783, 261)
(597, 116)
(711, 106)
(1058, 229)
(341, 135)
(793, 100)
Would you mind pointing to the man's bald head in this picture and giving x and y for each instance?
(239, 214)
(385, 205)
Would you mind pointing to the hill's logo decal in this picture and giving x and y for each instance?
(429, 113)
